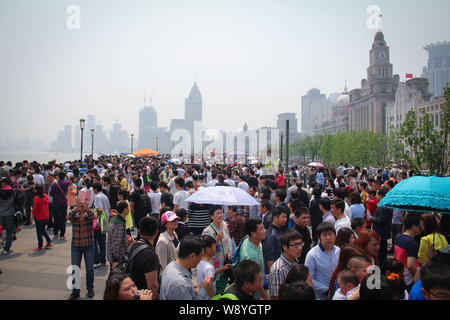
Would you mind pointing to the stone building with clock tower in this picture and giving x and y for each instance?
(368, 105)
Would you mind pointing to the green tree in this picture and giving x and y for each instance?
(428, 148)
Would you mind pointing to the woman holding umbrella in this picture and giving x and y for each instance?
(219, 231)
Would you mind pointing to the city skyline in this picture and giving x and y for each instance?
(251, 69)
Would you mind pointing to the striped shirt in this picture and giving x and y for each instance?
(278, 274)
(198, 215)
(101, 201)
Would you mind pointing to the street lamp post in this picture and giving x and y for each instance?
(157, 147)
(132, 137)
(82, 123)
(92, 134)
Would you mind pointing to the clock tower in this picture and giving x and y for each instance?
(368, 105)
(380, 66)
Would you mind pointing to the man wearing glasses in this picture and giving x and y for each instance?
(291, 244)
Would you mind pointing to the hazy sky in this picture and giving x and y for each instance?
(253, 59)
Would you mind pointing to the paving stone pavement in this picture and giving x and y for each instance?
(31, 275)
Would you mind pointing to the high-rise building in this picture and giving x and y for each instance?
(193, 107)
(120, 139)
(293, 128)
(68, 137)
(438, 70)
(148, 121)
(368, 105)
(312, 102)
(193, 104)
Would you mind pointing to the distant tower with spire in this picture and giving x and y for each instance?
(193, 106)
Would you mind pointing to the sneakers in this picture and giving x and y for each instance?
(73, 296)
(5, 253)
(38, 249)
(55, 238)
(62, 238)
(49, 245)
(91, 293)
(96, 265)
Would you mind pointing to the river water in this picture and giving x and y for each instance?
(41, 157)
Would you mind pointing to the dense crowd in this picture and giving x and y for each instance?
(316, 233)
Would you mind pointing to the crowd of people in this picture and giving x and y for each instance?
(316, 234)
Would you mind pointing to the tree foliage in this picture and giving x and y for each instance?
(423, 147)
(428, 148)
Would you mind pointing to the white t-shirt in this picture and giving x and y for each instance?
(348, 212)
(155, 198)
(243, 185)
(205, 269)
(338, 295)
(213, 183)
(230, 182)
(179, 199)
(171, 185)
(342, 223)
(38, 179)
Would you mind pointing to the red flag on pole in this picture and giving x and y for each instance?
(409, 76)
(317, 118)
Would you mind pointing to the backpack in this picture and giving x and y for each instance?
(125, 265)
(225, 295)
(236, 258)
(146, 204)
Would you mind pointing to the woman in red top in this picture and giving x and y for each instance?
(372, 206)
(280, 179)
(41, 215)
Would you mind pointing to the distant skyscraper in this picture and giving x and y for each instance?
(281, 125)
(150, 135)
(148, 122)
(193, 104)
(312, 103)
(438, 70)
(68, 137)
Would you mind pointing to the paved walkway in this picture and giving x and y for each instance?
(31, 275)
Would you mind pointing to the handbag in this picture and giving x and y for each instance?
(229, 273)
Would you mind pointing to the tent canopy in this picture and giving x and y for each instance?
(145, 152)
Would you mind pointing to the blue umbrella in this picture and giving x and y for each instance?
(422, 194)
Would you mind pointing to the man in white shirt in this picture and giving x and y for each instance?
(214, 180)
(38, 178)
(242, 184)
(337, 209)
(229, 181)
(155, 198)
(179, 199)
(171, 183)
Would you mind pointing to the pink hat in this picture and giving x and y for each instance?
(169, 216)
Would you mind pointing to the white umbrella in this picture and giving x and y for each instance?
(131, 155)
(222, 195)
(176, 161)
